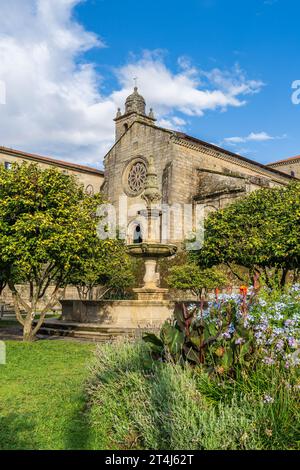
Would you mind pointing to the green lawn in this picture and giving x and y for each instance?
(42, 403)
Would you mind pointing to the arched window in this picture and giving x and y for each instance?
(89, 190)
(137, 234)
(125, 127)
(292, 173)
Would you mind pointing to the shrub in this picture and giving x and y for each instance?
(259, 232)
(137, 403)
(190, 277)
(234, 331)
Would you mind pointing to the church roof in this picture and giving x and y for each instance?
(286, 161)
(187, 137)
(50, 161)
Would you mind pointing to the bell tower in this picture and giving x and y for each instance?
(135, 109)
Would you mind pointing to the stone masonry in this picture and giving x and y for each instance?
(189, 170)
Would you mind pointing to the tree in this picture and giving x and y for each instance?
(47, 232)
(191, 277)
(259, 232)
(108, 267)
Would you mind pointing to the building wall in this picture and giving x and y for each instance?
(190, 179)
(140, 141)
(291, 167)
(187, 173)
(88, 178)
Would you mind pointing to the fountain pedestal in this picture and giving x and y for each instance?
(151, 252)
(150, 290)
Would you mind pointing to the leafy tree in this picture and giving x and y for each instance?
(191, 277)
(109, 267)
(259, 232)
(47, 232)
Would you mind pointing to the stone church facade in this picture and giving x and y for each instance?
(190, 171)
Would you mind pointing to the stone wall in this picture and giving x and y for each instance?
(189, 172)
(70, 292)
(290, 166)
(91, 180)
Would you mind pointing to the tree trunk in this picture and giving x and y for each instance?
(28, 330)
(283, 279)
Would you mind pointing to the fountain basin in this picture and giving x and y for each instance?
(151, 250)
(117, 313)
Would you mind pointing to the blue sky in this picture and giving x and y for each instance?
(220, 70)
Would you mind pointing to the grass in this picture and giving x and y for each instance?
(42, 402)
(59, 395)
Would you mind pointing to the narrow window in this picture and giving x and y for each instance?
(137, 234)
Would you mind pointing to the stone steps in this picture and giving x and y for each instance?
(7, 309)
(92, 331)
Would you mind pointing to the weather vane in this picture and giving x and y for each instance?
(135, 81)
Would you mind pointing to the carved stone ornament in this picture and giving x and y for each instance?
(137, 177)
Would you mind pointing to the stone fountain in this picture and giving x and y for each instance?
(109, 318)
(151, 249)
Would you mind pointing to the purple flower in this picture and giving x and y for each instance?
(269, 361)
(226, 335)
(239, 341)
(268, 399)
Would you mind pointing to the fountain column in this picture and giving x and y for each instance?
(151, 249)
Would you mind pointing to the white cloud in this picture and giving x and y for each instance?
(54, 99)
(172, 122)
(252, 137)
(2, 92)
(53, 105)
(190, 91)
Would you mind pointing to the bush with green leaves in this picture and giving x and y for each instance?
(259, 232)
(107, 271)
(48, 238)
(190, 277)
(234, 332)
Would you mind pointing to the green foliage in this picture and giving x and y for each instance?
(48, 238)
(136, 403)
(258, 232)
(192, 278)
(191, 339)
(235, 332)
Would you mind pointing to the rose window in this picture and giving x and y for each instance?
(137, 177)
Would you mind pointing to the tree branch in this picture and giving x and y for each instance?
(52, 302)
